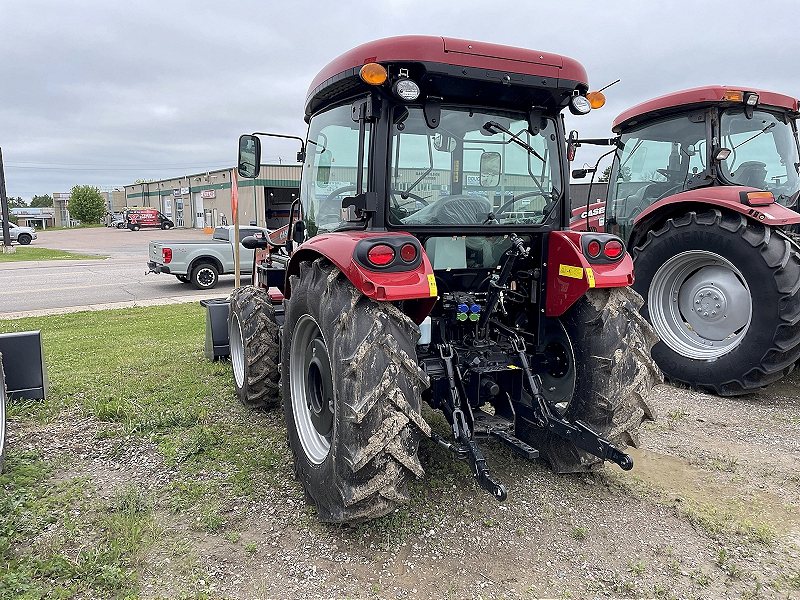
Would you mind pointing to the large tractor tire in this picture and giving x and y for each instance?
(2, 415)
(723, 294)
(351, 395)
(613, 375)
(253, 335)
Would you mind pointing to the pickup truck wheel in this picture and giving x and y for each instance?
(614, 372)
(351, 396)
(723, 295)
(253, 335)
(205, 276)
(24, 239)
(2, 415)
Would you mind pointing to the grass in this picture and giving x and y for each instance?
(24, 253)
(150, 387)
(153, 385)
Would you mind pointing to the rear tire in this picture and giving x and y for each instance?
(614, 374)
(24, 239)
(752, 273)
(351, 396)
(205, 276)
(253, 335)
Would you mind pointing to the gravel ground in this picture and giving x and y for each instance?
(709, 511)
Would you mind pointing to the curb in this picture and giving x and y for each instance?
(108, 306)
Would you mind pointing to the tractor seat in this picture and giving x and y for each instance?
(463, 210)
(751, 174)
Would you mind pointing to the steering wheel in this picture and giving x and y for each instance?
(351, 188)
(510, 203)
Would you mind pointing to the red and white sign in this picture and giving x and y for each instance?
(208, 194)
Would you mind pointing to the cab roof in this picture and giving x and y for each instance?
(483, 57)
(695, 97)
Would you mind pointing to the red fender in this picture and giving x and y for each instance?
(570, 274)
(725, 197)
(414, 284)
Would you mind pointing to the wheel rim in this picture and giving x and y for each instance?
(205, 277)
(237, 350)
(700, 305)
(558, 382)
(311, 389)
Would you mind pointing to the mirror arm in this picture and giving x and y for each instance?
(301, 156)
(615, 141)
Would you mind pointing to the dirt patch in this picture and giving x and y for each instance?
(709, 510)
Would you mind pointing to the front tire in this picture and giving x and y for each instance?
(24, 239)
(613, 373)
(723, 294)
(253, 335)
(351, 396)
(205, 276)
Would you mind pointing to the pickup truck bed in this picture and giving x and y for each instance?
(201, 262)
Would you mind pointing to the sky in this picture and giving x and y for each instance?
(105, 92)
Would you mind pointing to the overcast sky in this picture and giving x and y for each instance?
(105, 92)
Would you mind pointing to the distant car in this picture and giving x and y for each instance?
(21, 235)
(118, 221)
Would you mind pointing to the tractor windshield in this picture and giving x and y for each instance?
(658, 160)
(476, 168)
(763, 153)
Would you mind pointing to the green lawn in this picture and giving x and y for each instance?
(24, 253)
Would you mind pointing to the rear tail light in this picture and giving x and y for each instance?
(166, 255)
(613, 249)
(381, 255)
(756, 198)
(408, 252)
(593, 248)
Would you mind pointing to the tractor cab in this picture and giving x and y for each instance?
(712, 136)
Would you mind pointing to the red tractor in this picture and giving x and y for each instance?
(431, 260)
(703, 189)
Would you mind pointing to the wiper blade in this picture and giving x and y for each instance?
(495, 127)
(767, 128)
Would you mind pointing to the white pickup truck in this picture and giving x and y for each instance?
(201, 262)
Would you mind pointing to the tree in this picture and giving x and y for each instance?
(86, 204)
(41, 201)
(16, 203)
(623, 175)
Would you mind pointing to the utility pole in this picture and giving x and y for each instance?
(7, 247)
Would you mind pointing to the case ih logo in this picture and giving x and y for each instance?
(208, 194)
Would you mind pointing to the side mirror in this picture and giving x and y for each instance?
(580, 173)
(572, 146)
(249, 161)
(490, 169)
(299, 232)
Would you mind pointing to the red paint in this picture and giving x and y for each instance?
(564, 248)
(700, 95)
(597, 213)
(726, 197)
(339, 248)
(452, 51)
(166, 255)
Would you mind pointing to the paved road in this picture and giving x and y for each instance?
(48, 287)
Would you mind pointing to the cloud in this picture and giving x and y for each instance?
(104, 93)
